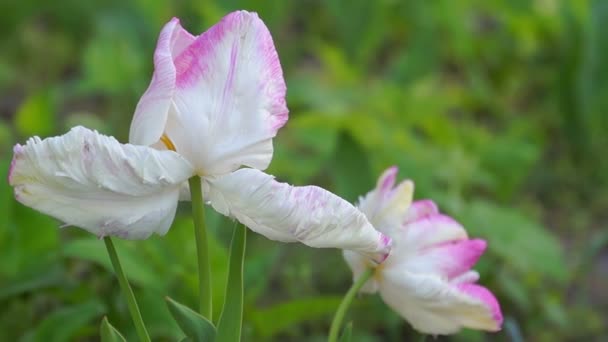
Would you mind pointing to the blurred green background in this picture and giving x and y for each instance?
(496, 109)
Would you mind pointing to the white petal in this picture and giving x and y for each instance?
(229, 100)
(308, 214)
(92, 181)
(386, 206)
(152, 110)
(434, 306)
(358, 264)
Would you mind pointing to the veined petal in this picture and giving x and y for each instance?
(152, 110)
(307, 214)
(433, 306)
(229, 100)
(92, 181)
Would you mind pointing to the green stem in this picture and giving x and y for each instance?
(202, 250)
(348, 298)
(422, 338)
(127, 291)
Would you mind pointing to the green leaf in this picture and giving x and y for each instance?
(285, 315)
(135, 266)
(108, 333)
(231, 320)
(36, 116)
(517, 240)
(352, 175)
(195, 326)
(65, 323)
(347, 334)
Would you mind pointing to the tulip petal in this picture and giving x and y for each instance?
(230, 97)
(92, 181)
(152, 110)
(358, 264)
(307, 214)
(421, 209)
(430, 230)
(449, 260)
(386, 205)
(434, 306)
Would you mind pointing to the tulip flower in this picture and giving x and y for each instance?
(427, 277)
(213, 106)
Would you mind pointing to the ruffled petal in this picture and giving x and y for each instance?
(433, 306)
(386, 205)
(307, 214)
(151, 113)
(229, 100)
(92, 181)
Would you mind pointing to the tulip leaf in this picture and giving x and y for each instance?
(195, 326)
(231, 320)
(136, 268)
(108, 333)
(347, 334)
(64, 324)
(285, 315)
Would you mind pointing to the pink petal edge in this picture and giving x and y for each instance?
(421, 209)
(189, 69)
(484, 295)
(17, 151)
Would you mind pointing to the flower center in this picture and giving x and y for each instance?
(168, 143)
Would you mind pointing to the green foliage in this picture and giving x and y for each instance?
(278, 318)
(195, 326)
(496, 109)
(36, 116)
(230, 323)
(108, 333)
(68, 323)
(347, 334)
(135, 265)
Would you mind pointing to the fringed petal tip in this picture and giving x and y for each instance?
(91, 181)
(308, 214)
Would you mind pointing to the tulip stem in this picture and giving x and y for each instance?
(345, 304)
(202, 248)
(127, 291)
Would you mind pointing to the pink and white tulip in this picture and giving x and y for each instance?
(427, 277)
(213, 106)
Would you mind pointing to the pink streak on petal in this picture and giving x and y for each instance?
(17, 151)
(230, 78)
(457, 257)
(386, 242)
(421, 209)
(273, 75)
(153, 107)
(387, 180)
(431, 230)
(483, 294)
(187, 64)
